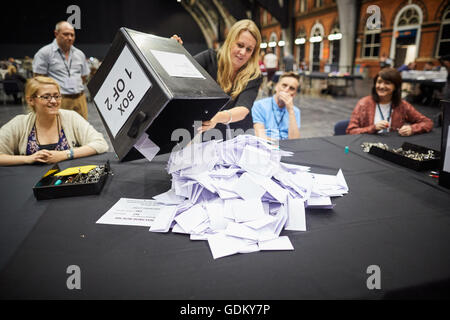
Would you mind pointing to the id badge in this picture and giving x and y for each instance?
(71, 83)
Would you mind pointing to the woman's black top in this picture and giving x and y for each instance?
(208, 60)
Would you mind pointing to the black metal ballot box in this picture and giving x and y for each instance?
(149, 85)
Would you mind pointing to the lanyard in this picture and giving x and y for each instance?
(382, 116)
(65, 63)
(275, 116)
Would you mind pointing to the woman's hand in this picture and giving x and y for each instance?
(380, 125)
(405, 130)
(177, 38)
(39, 156)
(56, 156)
(207, 125)
(47, 156)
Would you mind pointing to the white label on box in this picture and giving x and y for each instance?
(122, 90)
(176, 64)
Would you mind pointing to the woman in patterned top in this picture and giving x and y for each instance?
(385, 110)
(47, 134)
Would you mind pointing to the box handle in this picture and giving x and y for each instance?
(134, 129)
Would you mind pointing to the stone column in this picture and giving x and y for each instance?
(347, 24)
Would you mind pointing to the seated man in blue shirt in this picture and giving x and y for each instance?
(276, 117)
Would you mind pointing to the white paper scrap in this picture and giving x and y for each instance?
(281, 243)
(248, 210)
(296, 215)
(222, 245)
(247, 189)
(191, 218)
(169, 198)
(146, 147)
(164, 219)
(240, 230)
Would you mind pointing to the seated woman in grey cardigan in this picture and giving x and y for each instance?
(47, 134)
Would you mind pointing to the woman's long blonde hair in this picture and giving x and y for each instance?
(248, 71)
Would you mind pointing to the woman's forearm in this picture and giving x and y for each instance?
(234, 114)
(10, 160)
(83, 151)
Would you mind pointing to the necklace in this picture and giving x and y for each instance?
(36, 131)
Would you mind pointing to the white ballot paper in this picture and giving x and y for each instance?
(146, 147)
(132, 212)
(239, 197)
(176, 64)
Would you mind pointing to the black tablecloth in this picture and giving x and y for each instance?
(393, 217)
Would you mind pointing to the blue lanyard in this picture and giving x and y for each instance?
(275, 116)
(65, 63)
(381, 113)
(382, 116)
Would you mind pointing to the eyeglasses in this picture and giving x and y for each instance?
(49, 97)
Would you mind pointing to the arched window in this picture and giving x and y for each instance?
(406, 36)
(316, 46)
(443, 47)
(273, 41)
(300, 45)
(409, 16)
(335, 40)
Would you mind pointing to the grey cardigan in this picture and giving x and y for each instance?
(14, 134)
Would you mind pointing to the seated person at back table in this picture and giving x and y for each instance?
(47, 134)
(276, 117)
(385, 110)
(12, 75)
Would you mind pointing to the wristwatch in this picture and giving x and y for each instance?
(69, 154)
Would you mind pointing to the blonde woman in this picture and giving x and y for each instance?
(47, 134)
(235, 67)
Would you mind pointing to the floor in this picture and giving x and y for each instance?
(319, 112)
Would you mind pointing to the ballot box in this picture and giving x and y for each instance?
(151, 88)
(444, 173)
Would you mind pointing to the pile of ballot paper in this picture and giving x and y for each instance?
(239, 196)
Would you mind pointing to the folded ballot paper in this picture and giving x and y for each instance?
(239, 196)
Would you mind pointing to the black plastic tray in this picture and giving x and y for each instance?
(45, 188)
(408, 162)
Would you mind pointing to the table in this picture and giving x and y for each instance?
(435, 84)
(393, 218)
(430, 88)
(329, 77)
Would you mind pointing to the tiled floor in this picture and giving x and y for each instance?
(319, 112)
